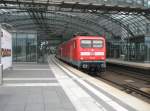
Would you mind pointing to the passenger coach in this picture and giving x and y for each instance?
(86, 52)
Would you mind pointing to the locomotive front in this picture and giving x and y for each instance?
(93, 54)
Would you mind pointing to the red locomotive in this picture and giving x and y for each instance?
(86, 52)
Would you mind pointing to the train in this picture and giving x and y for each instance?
(84, 52)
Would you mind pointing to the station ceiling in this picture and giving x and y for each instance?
(118, 18)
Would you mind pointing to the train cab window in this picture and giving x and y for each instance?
(97, 43)
(86, 43)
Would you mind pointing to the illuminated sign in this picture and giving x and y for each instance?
(6, 48)
(5, 52)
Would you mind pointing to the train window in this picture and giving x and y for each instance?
(86, 43)
(97, 43)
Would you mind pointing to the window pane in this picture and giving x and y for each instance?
(97, 43)
(86, 43)
(24, 47)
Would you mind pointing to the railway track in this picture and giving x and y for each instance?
(135, 75)
(128, 88)
(125, 87)
(134, 89)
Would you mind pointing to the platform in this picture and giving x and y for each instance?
(129, 64)
(52, 87)
(32, 87)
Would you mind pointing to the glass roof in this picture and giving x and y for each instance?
(25, 16)
(139, 3)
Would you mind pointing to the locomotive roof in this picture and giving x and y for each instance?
(84, 37)
(87, 37)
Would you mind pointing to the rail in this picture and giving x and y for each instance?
(130, 73)
(124, 87)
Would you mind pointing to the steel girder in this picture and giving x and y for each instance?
(77, 19)
(77, 6)
(137, 24)
(87, 20)
(54, 27)
(62, 21)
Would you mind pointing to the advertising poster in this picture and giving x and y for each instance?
(6, 49)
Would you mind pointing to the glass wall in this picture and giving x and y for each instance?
(24, 47)
(129, 51)
(147, 45)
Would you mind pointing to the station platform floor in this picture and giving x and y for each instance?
(52, 87)
(130, 64)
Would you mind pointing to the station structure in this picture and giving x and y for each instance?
(32, 79)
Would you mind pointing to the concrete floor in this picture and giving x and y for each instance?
(32, 87)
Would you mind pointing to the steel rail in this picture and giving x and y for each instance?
(122, 86)
(139, 76)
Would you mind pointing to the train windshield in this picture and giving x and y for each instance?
(86, 43)
(97, 43)
(91, 43)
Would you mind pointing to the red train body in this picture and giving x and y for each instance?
(87, 52)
